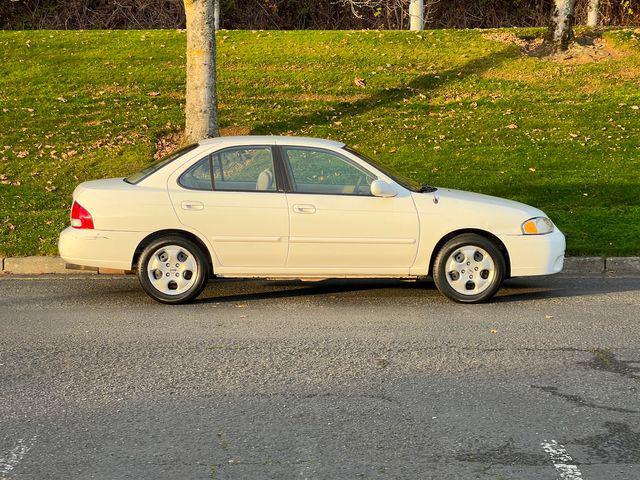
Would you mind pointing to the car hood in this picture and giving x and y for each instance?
(485, 201)
(460, 209)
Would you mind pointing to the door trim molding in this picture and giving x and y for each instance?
(245, 239)
(354, 240)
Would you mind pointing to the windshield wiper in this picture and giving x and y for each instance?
(424, 188)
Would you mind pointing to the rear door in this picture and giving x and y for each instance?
(234, 198)
(337, 225)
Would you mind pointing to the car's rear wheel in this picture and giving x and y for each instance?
(469, 268)
(173, 269)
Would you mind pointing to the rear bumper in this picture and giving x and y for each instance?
(99, 248)
(535, 254)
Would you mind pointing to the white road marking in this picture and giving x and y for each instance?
(562, 460)
(12, 458)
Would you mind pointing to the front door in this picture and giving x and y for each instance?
(337, 226)
(232, 197)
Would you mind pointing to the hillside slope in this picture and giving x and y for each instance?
(463, 109)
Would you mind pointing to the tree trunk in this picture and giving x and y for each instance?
(560, 33)
(202, 108)
(216, 14)
(416, 15)
(593, 17)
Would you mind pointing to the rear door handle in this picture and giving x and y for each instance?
(192, 205)
(304, 209)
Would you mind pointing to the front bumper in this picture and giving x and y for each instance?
(535, 254)
(99, 248)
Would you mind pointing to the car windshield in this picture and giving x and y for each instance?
(154, 167)
(407, 183)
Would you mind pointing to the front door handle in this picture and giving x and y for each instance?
(192, 205)
(304, 209)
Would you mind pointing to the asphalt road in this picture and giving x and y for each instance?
(336, 380)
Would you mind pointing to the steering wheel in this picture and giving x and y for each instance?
(356, 189)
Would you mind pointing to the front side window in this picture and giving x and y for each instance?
(407, 183)
(324, 172)
(245, 169)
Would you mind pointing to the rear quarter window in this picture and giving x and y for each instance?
(154, 167)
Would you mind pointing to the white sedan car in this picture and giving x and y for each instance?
(291, 207)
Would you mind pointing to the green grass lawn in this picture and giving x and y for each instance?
(449, 108)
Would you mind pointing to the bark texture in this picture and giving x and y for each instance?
(593, 14)
(416, 15)
(560, 33)
(202, 107)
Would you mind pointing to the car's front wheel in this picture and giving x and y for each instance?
(173, 270)
(469, 268)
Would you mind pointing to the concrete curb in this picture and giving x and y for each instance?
(40, 265)
(583, 265)
(623, 264)
(47, 265)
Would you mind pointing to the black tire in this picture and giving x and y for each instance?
(199, 283)
(440, 265)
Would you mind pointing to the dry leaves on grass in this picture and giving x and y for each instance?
(586, 48)
(168, 143)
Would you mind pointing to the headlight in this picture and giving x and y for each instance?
(537, 226)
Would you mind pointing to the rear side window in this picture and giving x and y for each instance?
(244, 169)
(154, 167)
(238, 169)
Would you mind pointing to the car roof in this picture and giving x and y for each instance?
(274, 140)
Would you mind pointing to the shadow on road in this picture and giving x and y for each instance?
(220, 291)
(246, 290)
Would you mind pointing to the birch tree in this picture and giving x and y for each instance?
(416, 9)
(416, 15)
(560, 33)
(202, 106)
(216, 14)
(593, 15)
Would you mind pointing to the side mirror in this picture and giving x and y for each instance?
(380, 188)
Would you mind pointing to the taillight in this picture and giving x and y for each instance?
(80, 217)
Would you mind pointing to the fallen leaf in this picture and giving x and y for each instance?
(382, 362)
(360, 82)
(512, 126)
